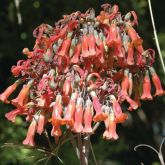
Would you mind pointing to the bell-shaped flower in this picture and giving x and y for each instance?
(11, 116)
(133, 104)
(146, 94)
(78, 127)
(125, 82)
(130, 84)
(70, 111)
(137, 41)
(110, 124)
(65, 46)
(130, 54)
(76, 55)
(67, 87)
(23, 96)
(88, 114)
(157, 83)
(100, 115)
(120, 117)
(4, 96)
(41, 122)
(29, 140)
(85, 52)
(57, 111)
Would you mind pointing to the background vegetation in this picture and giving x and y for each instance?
(147, 125)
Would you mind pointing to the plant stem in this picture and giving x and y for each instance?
(156, 37)
(85, 148)
(80, 149)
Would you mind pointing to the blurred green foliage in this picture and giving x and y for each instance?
(147, 125)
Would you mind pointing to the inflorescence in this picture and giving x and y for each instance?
(80, 72)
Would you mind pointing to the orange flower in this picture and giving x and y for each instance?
(146, 95)
(4, 96)
(78, 127)
(130, 57)
(125, 82)
(88, 117)
(100, 115)
(23, 96)
(57, 111)
(70, 110)
(110, 124)
(120, 117)
(157, 83)
(11, 116)
(67, 87)
(29, 140)
(41, 123)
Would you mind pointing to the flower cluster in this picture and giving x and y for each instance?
(80, 72)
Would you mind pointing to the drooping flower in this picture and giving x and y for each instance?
(78, 127)
(70, 111)
(88, 114)
(57, 111)
(41, 122)
(120, 117)
(23, 96)
(29, 140)
(157, 83)
(100, 115)
(146, 95)
(4, 96)
(110, 124)
(11, 116)
(125, 82)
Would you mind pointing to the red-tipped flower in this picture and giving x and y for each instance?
(4, 96)
(146, 95)
(157, 83)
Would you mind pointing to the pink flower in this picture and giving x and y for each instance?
(146, 95)
(23, 96)
(57, 111)
(11, 116)
(67, 87)
(125, 82)
(110, 132)
(70, 111)
(29, 140)
(157, 83)
(78, 127)
(41, 123)
(120, 117)
(76, 55)
(88, 117)
(130, 55)
(100, 115)
(85, 52)
(4, 96)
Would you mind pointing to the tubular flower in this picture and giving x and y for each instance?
(41, 123)
(29, 140)
(57, 111)
(12, 115)
(78, 127)
(88, 114)
(146, 95)
(23, 96)
(80, 72)
(4, 96)
(125, 82)
(110, 132)
(120, 117)
(70, 111)
(99, 116)
(157, 83)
